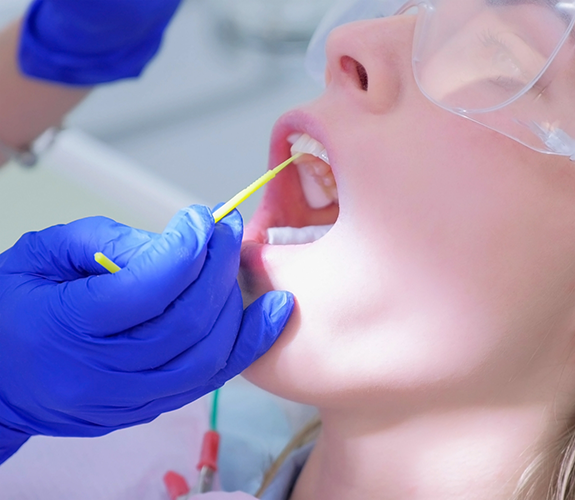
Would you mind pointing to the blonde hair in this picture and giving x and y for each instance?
(551, 476)
(308, 433)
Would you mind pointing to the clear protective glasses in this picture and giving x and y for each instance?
(506, 64)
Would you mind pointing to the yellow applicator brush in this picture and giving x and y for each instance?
(221, 212)
(244, 194)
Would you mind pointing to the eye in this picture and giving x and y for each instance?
(500, 53)
(505, 60)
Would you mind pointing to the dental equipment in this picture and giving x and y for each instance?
(208, 464)
(176, 484)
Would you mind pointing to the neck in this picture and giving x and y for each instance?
(471, 453)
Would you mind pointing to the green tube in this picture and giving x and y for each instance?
(214, 415)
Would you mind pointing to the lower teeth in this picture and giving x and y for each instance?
(296, 235)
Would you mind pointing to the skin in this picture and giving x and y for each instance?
(28, 106)
(435, 322)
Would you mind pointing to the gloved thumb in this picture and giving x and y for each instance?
(262, 324)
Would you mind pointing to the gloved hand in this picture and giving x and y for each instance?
(84, 352)
(84, 42)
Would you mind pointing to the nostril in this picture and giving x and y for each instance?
(356, 70)
(362, 75)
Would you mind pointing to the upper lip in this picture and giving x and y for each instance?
(278, 193)
(294, 121)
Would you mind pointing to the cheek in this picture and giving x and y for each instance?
(439, 275)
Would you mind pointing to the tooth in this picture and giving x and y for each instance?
(308, 145)
(316, 177)
(327, 181)
(321, 168)
(314, 192)
(296, 235)
(292, 138)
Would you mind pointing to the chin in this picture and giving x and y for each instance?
(291, 243)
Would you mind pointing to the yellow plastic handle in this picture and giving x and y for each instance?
(106, 263)
(244, 194)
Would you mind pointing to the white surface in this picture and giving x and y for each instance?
(112, 175)
(10, 9)
(255, 427)
(80, 177)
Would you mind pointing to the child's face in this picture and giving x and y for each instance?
(452, 262)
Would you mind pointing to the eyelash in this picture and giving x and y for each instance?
(489, 38)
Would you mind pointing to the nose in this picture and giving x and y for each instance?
(371, 60)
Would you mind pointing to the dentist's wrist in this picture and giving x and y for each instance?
(28, 156)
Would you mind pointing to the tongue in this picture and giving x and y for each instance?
(296, 235)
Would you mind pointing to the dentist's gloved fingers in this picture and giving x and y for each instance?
(151, 281)
(195, 367)
(262, 323)
(109, 400)
(84, 42)
(113, 398)
(190, 317)
(111, 16)
(257, 330)
(66, 252)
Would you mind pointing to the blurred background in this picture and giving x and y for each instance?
(197, 123)
(194, 128)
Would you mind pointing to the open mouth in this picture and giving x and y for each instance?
(313, 205)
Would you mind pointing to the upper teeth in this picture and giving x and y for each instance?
(303, 143)
(317, 181)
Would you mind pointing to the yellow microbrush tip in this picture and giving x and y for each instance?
(244, 194)
(106, 263)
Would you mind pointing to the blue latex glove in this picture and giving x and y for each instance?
(84, 352)
(84, 42)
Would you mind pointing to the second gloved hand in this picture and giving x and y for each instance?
(84, 352)
(84, 42)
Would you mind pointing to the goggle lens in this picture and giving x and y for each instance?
(502, 63)
(474, 55)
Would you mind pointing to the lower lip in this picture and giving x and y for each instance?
(255, 255)
(251, 255)
(253, 277)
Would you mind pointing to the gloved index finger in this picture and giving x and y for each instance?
(150, 282)
(192, 316)
(66, 252)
